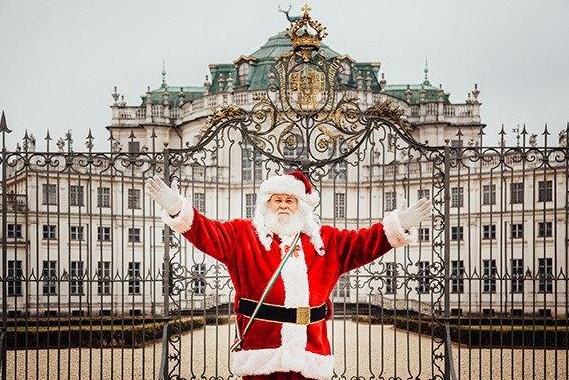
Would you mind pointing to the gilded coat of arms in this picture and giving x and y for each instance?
(307, 88)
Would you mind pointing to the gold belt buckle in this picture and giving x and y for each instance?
(303, 315)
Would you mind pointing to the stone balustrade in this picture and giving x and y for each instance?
(458, 114)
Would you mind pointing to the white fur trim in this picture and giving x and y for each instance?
(183, 221)
(282, 359)
(396, 235)
(295, 279)
(286, 184)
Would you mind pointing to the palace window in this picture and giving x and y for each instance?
(243, 73)
(457, 273)
(489, 231)
(339, 205)
(49, 194)
(390, 278)
(251, 169)
(199, 201)
(516, 192)
(133, 201)
(423, 275)
(49, 232)
(104, 197)
(14, 278)
(76, 195)
(250, 203)
(457, 233)
(49, 277)
(489, 275)
(517, 275)
(545, 189)
(424, 234)
(76, 274)
(489, 194)
(517, 231)
(544, 229)
(390, 200)
(199, 284)
(457, 196)
(134, 277)
(76, 233)
(14, 231)
(134, 235)
(104, 233)
(104, 277)
(545, 274)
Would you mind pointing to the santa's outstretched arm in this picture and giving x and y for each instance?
(357, 248)
(209, 236)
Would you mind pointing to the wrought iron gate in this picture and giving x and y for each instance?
(89, 271)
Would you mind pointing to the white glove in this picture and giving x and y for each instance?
(167, 197)
(412, 216)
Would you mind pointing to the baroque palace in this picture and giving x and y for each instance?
(89, 242)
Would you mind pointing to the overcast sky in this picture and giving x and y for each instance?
(59, 60)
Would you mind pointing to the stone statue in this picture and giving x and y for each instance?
(563, 138)
(533, 140)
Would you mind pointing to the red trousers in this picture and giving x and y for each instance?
(277, 376)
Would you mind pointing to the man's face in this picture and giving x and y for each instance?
(283, 205)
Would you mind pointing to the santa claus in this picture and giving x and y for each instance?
(286, 247)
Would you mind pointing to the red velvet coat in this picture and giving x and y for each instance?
(306, 280)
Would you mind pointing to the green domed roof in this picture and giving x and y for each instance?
(263, 59)
(260, 61)
(280, 43)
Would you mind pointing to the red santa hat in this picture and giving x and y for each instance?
(293, 183)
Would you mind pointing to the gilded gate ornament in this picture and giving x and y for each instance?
(307, 116)
(307, 87)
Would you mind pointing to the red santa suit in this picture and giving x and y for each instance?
(251, 254)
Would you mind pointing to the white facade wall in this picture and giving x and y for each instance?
(225, 197)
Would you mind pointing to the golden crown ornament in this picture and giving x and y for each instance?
(306, 34)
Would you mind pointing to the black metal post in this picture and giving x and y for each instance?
(4, 129)
(449, 367)
(164, 365)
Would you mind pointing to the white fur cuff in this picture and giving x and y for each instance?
(396, 235)
(183, 221)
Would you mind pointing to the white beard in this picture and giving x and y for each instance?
(288, 226)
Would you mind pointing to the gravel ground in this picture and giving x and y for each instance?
(395, 354)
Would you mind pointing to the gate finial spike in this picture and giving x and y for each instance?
(3, 125)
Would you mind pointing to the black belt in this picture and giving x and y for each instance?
(276, 313)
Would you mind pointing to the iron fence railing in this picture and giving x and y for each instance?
(482, 294)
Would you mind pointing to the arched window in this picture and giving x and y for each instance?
(243, 72)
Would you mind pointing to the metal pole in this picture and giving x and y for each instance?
(449, 367)
(164, 367)
(4, 129)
